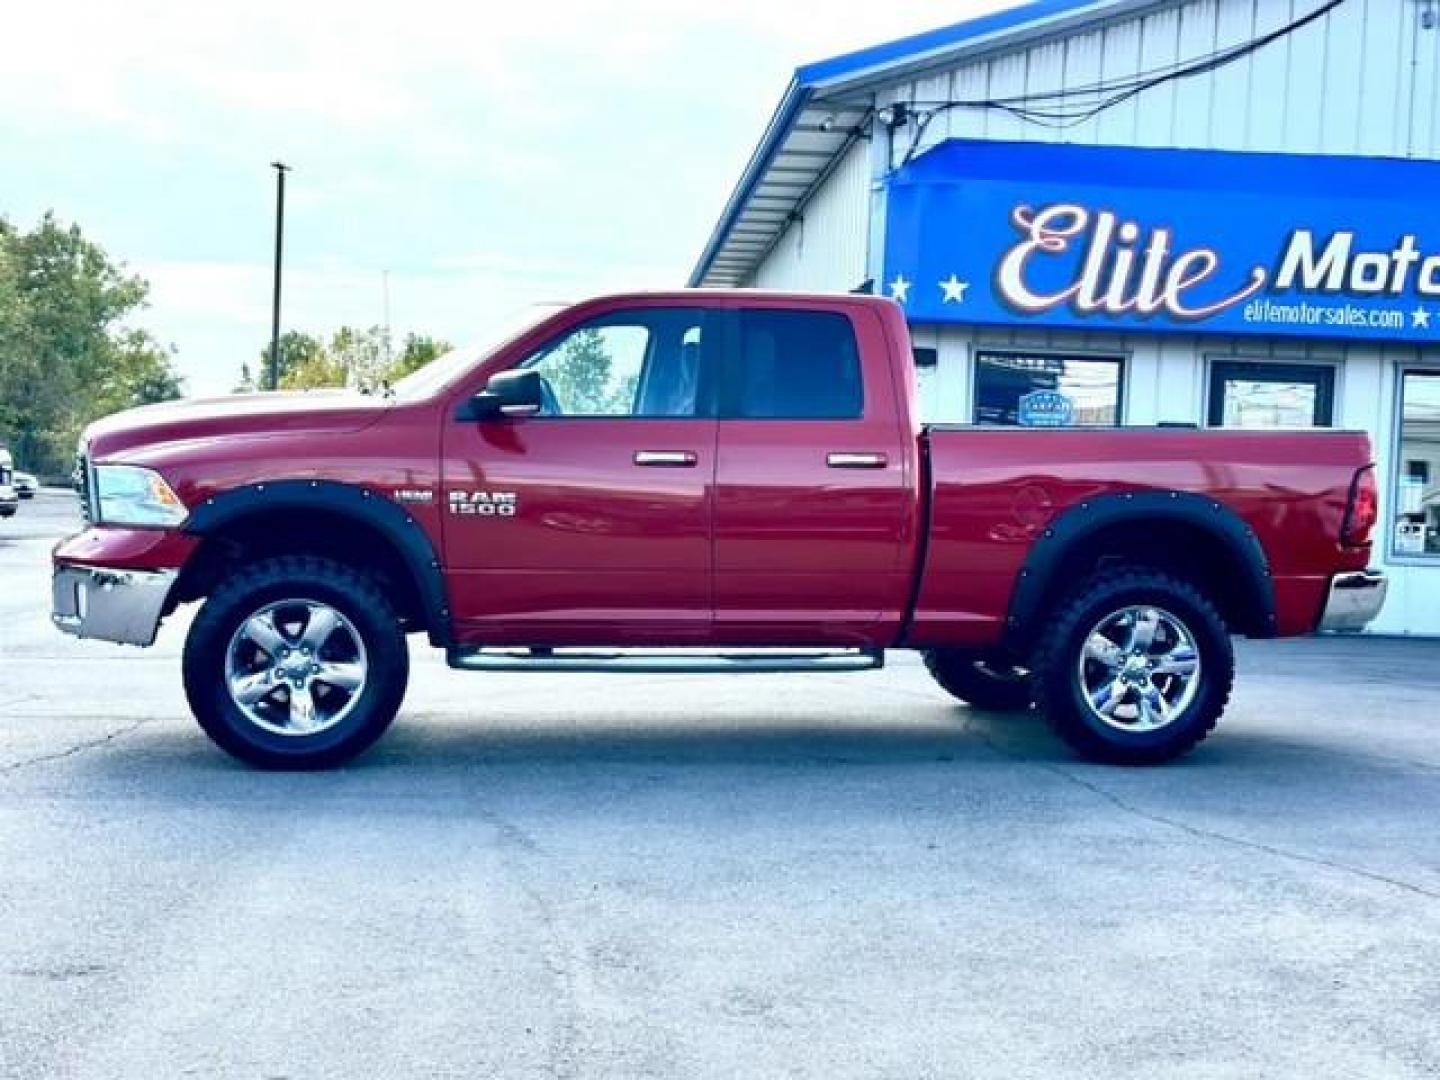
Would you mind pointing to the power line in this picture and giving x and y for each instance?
(1055, 115)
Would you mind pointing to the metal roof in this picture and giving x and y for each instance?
(825, 109)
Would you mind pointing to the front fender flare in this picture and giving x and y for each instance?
(344, 500)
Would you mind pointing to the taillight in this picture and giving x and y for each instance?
(1364, 509)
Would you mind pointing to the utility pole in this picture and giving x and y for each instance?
(280, 170)
(385, 290)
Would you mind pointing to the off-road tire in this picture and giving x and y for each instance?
(970, 678)
(1061, 699)
(348, 591)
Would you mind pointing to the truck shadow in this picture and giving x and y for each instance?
(532, 749)
(980, 775)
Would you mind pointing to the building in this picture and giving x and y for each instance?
(1214, 212)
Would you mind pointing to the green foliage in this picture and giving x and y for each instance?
(314, 373)
(297, 351)
(141, 372)
(418, 350)
(352, 357)
(66, 357)
(581, 375)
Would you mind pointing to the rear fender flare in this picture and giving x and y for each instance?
(1073, 527)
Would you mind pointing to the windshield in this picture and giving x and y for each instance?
(441, 372)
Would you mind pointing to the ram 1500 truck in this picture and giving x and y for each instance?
(700, 481)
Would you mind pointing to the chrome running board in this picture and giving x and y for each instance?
(640, 661)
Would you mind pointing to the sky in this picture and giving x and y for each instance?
(482, 158)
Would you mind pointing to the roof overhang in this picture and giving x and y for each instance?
(827, 107)
(802, 144)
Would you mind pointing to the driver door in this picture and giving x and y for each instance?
(590, 523)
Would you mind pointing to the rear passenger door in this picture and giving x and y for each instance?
(813, 501)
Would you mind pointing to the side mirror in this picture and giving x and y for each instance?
(510, 393)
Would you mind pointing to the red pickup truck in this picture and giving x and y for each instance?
(703, 481)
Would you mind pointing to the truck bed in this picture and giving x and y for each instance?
(995, 493)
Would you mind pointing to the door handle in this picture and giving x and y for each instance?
(666, 459)
(855, 461)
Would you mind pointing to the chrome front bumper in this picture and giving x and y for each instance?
(113, 605)
(1355, 599)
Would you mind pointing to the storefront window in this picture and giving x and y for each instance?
(1417, 498)
(1046, 390)
(1258, 395)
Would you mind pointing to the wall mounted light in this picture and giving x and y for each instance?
(893, 116)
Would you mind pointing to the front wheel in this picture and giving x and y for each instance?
(296, 663)
(1135, 668)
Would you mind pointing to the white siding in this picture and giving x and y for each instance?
(824, 251)
(1344, 84)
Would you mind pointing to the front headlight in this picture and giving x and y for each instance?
(130, 495)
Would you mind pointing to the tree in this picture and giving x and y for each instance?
(361, 354)
(66, 355)
(418, 350)
(352, 357)
(314, 373)
(297, 350)
(141, 372)
(580, 373)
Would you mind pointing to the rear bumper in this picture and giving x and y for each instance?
(1353, 601)
(124, 606)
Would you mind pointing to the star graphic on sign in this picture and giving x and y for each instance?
(900, 289)
(954, 290)
(1420, 319)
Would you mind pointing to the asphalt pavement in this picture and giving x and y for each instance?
(748, 876)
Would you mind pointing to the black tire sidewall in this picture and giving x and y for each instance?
(1064, 700)
(206, 647)
(965, 675)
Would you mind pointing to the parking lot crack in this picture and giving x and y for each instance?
(559, 954)
(1215, 836)
(74, 749)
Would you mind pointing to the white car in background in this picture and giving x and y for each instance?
(9, 501)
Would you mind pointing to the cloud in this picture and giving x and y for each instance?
(486, 155)
(218, 314)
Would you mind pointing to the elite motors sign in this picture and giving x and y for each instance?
(1166, 240)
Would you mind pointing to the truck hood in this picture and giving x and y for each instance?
(235, 415)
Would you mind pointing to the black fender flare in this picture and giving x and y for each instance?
(352, 501)
(1074, 526)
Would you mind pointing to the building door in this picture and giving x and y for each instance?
(814, 492)
(591, 522)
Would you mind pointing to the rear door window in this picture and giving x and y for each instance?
(795, 365)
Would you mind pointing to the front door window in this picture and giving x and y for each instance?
(633, 364)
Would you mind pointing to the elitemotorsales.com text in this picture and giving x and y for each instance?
(1303, 313)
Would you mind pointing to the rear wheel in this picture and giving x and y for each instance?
(1136, 668)
(296, 663)
(978, 680)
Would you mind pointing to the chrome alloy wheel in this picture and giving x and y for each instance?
(1140, 669)
(296, 667)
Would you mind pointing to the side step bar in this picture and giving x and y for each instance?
(698, 661)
